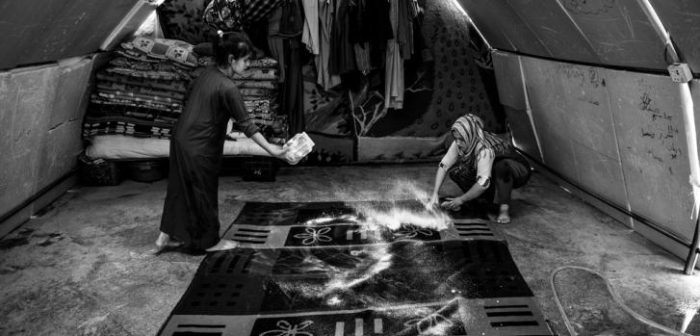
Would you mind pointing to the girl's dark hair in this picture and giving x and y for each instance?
(225, 44)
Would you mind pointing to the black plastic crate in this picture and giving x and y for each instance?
(147, 171)
(259, 168)
(98, 172)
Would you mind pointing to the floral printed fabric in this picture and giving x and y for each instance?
(226, 15)
(234, 15)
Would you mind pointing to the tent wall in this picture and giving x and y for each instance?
(612, 33)
(42, 111)
(41, 31)
(618, 135)
(44, 80)
(587, 93)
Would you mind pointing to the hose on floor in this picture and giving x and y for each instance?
(615, 298)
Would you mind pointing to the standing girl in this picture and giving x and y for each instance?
(191, 212)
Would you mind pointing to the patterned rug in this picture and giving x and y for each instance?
(364, 268)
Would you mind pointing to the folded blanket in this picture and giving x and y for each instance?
(151, 66)
(107, 99)
(178, 86)
(125, 125)
(254, 93)
(144, 48)
(267, 62)
(260, 106)
(258, 74)
(141, 112)
(141, 91)
(137, 96)
(159, 75)
(252, 84)
(98, 121)
(130, 130)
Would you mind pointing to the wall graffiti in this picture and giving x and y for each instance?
(660, 126)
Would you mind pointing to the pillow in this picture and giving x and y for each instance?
(161, 49)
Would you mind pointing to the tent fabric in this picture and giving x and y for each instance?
(616, 134)
(41, 31)
(605, 32)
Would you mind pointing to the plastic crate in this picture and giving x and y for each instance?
(98, 172)
(259, 168)
(146, 171)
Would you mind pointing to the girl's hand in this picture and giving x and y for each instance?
(452, 203)
(283, 154)
(277, 151)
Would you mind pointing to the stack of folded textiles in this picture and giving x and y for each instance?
(141, 91)
(259, 88)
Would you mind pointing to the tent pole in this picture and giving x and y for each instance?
(692, 258)
(690, 133)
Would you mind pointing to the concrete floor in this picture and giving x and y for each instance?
(80, 268)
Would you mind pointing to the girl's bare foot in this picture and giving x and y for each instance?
(162, 242)
(503, 215)
(223, 245)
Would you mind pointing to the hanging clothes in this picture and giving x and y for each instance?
(324, 78)
(362, 57)
(355, 30)
(394, 73)
(255, 10)
(293, 88)
(310, 37)
(276, 42)
(292, 22)
(377, 29)
(342, 52)
(289, 31)
(404, 32)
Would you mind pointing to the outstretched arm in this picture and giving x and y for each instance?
(274, 150)
(484, 164)
(447, 161)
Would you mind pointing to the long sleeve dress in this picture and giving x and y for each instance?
(191, 212)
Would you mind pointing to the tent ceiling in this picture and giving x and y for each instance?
(606, 32)
(38, 31)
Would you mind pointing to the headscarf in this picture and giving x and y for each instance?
(471, 138)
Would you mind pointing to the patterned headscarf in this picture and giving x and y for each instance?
(468, 132)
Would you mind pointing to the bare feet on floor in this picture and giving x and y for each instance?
(163, 242)
(223, 245)
(503, 214)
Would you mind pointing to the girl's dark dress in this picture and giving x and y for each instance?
(191, 211)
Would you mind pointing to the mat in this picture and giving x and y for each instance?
(363, 268)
